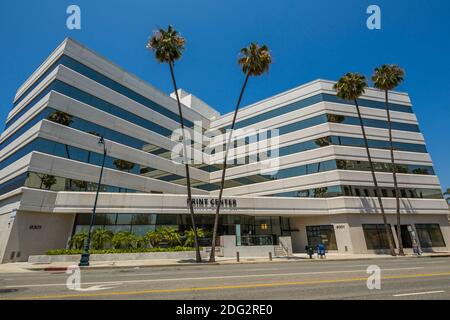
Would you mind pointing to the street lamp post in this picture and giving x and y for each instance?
(84, 261)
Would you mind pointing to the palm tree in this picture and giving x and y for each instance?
(254, 61)
(386, 78)
(350, 87)
(101, 237)
(154, 237)
(77, 240)
(168, 46)
(189, 234)
(124, 240)
(171, 236)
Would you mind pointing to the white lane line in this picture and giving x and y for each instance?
(209, 278)
(262, 269)
(436, 262)
(417, 293)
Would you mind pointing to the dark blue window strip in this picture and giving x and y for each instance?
(37, 81)
(77, 154)
(94, 102)
(29, 105)
(313, 100)
(314, 121)
(107, 82)
(85, 126)
(14, 183)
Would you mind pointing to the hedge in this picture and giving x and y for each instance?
(57, 252)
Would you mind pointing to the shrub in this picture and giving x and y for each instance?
(101, 238)
(142, 242)
(154, 237)
(124, 240)
(170, 235)
(190, 236)
(77, 240)
(55, 252)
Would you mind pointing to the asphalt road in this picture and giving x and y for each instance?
(401, 278)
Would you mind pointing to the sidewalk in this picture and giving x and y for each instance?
(19, 267)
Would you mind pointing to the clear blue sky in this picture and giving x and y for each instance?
(308, 39)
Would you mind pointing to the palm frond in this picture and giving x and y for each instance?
(351, 86)
(255, 60)
(388, 77)
(168, 45)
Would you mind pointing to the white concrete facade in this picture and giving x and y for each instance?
(100, 96)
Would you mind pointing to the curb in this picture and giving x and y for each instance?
(193, 264)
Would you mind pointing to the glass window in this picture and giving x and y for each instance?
(13, 184)
(142, 230)
(143, 218)
(124, 218)
(263, 225)
(323, 234)
(430, 235)
(313, 100)
(376, 237)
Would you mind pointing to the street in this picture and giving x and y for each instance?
(401, 278)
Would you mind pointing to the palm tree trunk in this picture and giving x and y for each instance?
(375, 182)
(212, 257)
(198, 258)
(394, 174)
(68, 157)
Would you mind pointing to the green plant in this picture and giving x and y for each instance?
(101, 238)
(142, 242)
(55, 252)
(124, 240)
(189, 235)
(170, 235)
(154, 237)
(77, 240)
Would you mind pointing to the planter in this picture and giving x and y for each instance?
(114, 257)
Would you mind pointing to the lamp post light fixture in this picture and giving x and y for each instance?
(84, 261)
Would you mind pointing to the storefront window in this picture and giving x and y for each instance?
(376, 237)
(322, 235)
(430, 235)
(271, 227)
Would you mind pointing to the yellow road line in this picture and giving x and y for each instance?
(241, 286)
